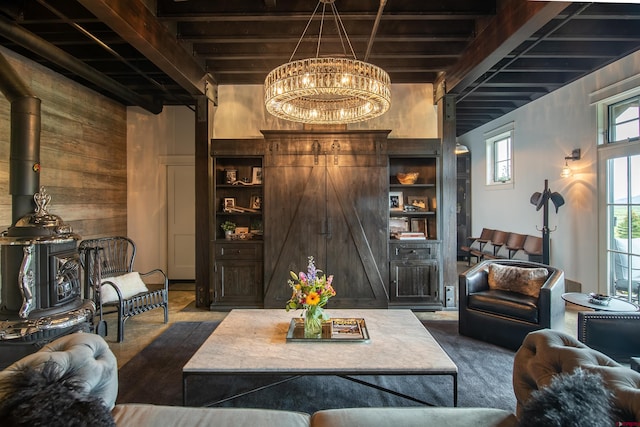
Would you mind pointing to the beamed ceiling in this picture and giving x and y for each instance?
(494, 56)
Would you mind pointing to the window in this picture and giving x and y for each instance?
(619, 176)
(499, 145)
(624, 120)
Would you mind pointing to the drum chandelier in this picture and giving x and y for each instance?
(327, 90)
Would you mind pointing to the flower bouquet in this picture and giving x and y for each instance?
(311, 292)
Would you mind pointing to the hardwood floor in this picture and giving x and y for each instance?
(142, 329)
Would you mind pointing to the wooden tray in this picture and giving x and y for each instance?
(340, 329)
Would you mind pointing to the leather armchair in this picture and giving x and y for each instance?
(614, 334)
(505, 318)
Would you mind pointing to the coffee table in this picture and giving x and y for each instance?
(253, 342)
(615, 304)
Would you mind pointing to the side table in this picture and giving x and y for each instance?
(582, 300)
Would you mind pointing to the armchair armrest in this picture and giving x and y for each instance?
(157, 272)
(612, 333)
(473, 280)
(550, 303)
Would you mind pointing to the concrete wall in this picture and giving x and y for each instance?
(546, 131)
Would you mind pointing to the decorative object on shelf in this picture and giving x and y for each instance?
(311, 292)
(407, 178)
(256, 202)
(230, 176)
(396, 201)
(566, 170)
(256, 175)
(228, 204)
(328, 90)
(228, 227)
(419, 202)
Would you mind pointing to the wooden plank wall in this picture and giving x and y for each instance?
(83, 152)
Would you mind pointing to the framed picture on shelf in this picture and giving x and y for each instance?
(256, 175)
(228, 203)
(419, 225)
(396, 201)
(256, 202)
(398, 224)
(419, 202)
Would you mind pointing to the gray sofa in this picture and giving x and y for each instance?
(89, 360)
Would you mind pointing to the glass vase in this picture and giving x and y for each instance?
(313, 322)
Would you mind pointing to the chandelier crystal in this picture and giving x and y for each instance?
(327, 90)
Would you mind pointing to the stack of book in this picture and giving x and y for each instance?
(408, 235)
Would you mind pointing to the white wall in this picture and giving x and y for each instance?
(152, 140)
(546, 130)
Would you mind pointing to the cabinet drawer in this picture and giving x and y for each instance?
(238, 251)
(410, 251)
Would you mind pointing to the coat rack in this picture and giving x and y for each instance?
(541, 200)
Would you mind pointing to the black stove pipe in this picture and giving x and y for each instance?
(24, 160)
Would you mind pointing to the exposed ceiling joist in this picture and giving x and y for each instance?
(514, 23)
(140, 28)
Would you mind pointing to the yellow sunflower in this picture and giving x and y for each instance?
(313, 298)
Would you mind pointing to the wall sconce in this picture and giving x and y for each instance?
(566, 170)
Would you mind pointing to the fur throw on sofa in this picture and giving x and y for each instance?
(44, 397)
(572, 399)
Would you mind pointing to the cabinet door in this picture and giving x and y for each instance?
(328, 204)
(238, 283)
(414, 281)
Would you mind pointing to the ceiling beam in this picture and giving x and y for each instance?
(62, 59)
(139, 27)
(514, 23)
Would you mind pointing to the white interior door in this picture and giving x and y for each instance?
(181, 219)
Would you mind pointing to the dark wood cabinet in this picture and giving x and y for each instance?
(414, 275)
(414, 262)
(237, 198)
(324, 197)
(326, 194)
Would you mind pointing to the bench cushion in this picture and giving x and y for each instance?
(130, 284)
(413, 417)
(141, 415)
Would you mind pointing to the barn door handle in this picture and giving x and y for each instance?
(315, 147)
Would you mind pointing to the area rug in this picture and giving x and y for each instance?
(155, 376)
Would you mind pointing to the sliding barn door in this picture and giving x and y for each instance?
(326, 198)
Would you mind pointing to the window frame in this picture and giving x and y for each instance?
(611, 127)
(608, 149)
(503, 133)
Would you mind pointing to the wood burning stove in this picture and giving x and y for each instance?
(40, 292)
(40, 285)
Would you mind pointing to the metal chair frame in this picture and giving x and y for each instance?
(108, 257)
